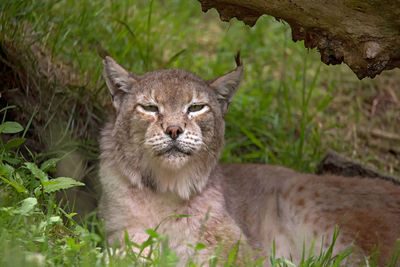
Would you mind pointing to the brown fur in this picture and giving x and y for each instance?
(148, 173)
(367, 211)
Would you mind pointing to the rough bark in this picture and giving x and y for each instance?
(365, 34)
(337, 164)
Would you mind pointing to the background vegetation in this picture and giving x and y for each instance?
(290, 109)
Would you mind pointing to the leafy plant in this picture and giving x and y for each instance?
(30, 218)
(26, 177)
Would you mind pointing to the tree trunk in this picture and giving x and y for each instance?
(365, 34)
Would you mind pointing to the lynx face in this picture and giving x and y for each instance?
(176, 120)
(169, 126)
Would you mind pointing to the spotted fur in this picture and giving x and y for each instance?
(147, 174)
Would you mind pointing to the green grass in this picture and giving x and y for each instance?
(281, 114)
(272, 118)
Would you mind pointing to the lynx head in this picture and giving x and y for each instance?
(168, 128)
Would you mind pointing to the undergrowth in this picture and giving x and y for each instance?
(272, 117)
(278, 116)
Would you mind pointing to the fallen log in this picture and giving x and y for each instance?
(363, 34)
(337, 164)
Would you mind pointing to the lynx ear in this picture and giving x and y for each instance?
(227, 85)
(119, 80)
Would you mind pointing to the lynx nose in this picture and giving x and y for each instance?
(173, 131)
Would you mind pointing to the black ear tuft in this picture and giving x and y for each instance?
(101, 52)
(238, 60)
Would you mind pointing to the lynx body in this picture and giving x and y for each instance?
(159, 157)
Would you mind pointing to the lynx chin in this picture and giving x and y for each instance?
(159, 157)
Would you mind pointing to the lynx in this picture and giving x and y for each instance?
(159, 157)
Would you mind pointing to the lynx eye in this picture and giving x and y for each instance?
(195, 108)
(150, 108)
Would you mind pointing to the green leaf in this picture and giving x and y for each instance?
(20, 188)
(59, 183)
(146, 244)
(6, 170)
(39, 239)
(200, 246)
(38, 173)
(28, 204)
(15, 142)
(152, 233)
(49, 164)
(11, 127)
(38, 191)
(70, 215)
(286, 262)
(13, 161)
(233, 254)
(54, 219)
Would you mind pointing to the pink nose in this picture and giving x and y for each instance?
(173, 131)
